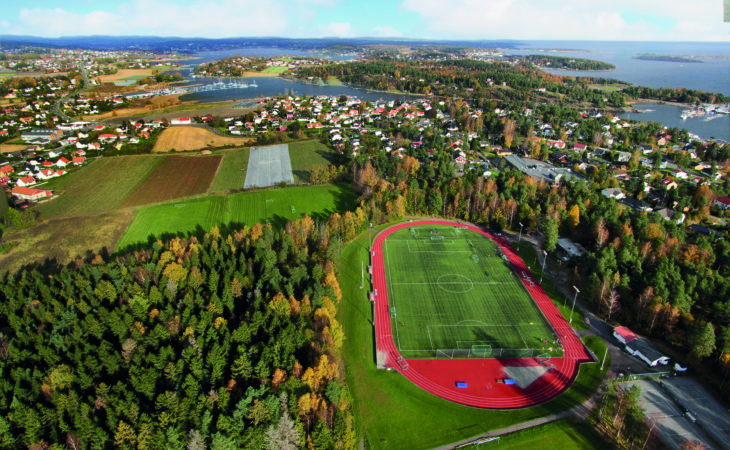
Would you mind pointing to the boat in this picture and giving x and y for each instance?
(253, 84)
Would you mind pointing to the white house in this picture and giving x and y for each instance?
(613, 193)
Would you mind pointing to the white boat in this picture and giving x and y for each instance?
(253, 84)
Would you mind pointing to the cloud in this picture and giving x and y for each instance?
(658, 20)
(337, 29)
(215, 18)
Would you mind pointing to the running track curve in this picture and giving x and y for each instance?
(439, 376)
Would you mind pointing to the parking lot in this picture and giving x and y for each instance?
(712, 417)
(671, 423)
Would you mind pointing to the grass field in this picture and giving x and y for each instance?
(59, 241)
(185, 138)
(564, 304)
(563, 434)
(391, 412)
(275, 69)
(176, 177)
(334, 81)
(306, 154)
(101, 186)
(274, 205)
(456, 297)
(232, 171)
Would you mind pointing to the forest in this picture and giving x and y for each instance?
(227, 341)
(477, 79)
(567, 63)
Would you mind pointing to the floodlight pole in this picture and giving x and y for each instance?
(574, 299)
(520, 238)
(543, 265)
(370, 237)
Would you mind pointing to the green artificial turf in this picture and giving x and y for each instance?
(452, 294)
(274, 206)
(391, 412)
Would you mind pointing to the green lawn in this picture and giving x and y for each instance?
(275, 69)
(453, 292)
(334, 81)
(391, 412)
(529, 256)
(232, 171)
(101, 186)
(562, 434)
(276, 206)
(306, 154)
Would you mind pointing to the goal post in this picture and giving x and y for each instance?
(437, 238)
(481, 350)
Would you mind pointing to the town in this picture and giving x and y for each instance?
(609, 233)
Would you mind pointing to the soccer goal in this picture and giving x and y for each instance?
(481, 350)
(437, 238)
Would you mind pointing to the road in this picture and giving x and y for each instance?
(57, 106)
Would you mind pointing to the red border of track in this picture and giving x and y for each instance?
(439, 376)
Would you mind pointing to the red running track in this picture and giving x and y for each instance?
(439, 376)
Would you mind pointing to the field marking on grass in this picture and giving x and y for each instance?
(484, 325)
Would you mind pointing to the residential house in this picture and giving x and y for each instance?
(613, 193)
(668, 214)
(26, 181)
(181, 121)
(723, 202)
(30, 193)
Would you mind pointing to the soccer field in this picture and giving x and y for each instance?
(452, 295)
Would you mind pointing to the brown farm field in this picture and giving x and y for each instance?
(183, 138)
(124, 73)
(7, 148)
(176, 177)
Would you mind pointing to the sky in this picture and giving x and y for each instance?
(608, 20)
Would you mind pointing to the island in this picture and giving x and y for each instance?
(567, 63)
(667, 58)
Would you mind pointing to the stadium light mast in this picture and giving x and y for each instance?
(543, 265)
(520, 238)
(574, 299)
(370, 237)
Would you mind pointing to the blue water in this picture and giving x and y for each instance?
(670, 116)
(712, 74)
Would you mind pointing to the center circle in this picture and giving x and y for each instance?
(455, 283)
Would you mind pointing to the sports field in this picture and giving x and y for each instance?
(275, 206)
(453, 295)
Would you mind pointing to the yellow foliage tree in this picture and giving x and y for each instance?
(280, 305)
(574, 217)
